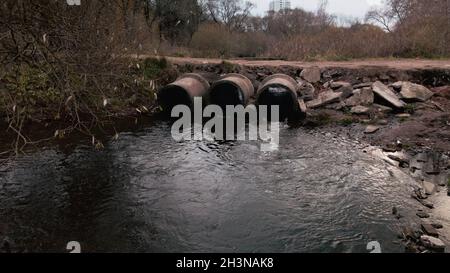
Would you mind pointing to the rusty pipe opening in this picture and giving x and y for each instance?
(281, 90)
(183, 91)
(232, 89)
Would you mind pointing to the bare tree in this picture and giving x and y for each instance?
(232, 13)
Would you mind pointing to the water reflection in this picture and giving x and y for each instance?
(147, 193)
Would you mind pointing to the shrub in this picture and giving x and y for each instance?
(153, 67)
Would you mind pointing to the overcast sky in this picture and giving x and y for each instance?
(348, 8)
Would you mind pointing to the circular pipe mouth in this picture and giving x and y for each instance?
(183, 91)
(225, 93)
(278, 95)
(173, 95)
(280, 90)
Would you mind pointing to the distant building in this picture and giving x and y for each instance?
(277, 5)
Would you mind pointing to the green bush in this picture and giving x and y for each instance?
(153, 67)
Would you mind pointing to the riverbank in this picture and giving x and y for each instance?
(43, 102)
(404, 110)
(134, 94)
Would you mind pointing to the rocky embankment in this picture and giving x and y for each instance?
(395, 107)
(404, 112)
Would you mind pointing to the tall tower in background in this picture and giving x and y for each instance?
(277, 5)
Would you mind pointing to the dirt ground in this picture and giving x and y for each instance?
(394, 63)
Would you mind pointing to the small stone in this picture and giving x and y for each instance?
(311, 74)
(261, 75)
(420, 194)
(371, 129)
(400, 157)
(338, 84)
(429, 188)
(382, 122)
(422, 215)
(437, 226)
(383, 109)
(427, 204)
(394, 210)
(430, 230)
(360, 110)
(397, 86)
(346, 90)
(307, 91)
(432, 243)
(403, 115)
(396, 213)
(390, 148)
(324, 98)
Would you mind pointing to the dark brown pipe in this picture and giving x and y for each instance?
(232, 89)
(281, 90)
(183, 91)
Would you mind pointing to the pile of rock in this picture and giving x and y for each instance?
(424, 240)
(359, 98)
(429, 168)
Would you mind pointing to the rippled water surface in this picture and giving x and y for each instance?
(146, 193)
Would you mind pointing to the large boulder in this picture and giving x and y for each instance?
(387, 94)
(363, 96)
(311, 74)
(325, 98)
(415, 92)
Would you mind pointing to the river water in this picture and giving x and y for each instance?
(320, 192)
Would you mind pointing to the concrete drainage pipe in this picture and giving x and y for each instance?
(281, 90)
(232, 89)
(183, 91)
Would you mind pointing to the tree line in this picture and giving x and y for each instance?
(227, 28)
